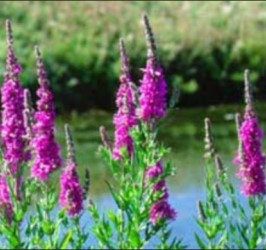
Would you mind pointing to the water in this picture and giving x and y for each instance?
(184, 226)
(183, 131)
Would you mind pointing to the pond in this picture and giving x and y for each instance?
(183, 131)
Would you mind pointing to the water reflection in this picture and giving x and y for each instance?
(183, 131)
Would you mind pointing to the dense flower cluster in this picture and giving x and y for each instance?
(47, 153)
(252, 161)
(70, 196)
(250, 156)
(12, 127)
(125, 118)
(153, 91)
(160, 209)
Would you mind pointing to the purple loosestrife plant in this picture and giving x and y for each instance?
(47, 152)
(152, 105)
(12, 127)
(139, 180)
(252, 160)
(125, 117)
(153, 89)
(210, 220)
(70, 197)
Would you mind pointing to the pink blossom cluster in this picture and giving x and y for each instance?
(125, 117)
(160, 209)
(70, 196)
(46, 150)
(252, 160)
(153, 90)
(12, 127)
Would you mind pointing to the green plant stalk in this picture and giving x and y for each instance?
(78, 244)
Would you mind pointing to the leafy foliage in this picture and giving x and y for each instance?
(206, 46)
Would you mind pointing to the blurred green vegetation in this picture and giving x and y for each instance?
(204, 47)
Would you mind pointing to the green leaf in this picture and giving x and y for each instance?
(221, 243)
(19, 215)
(243, 231)
(14, 241)
(6, 230)
(61, 214)
(65, 241)
(113, 218)
(200, 242)
(48, 227)
(134, 238)
(39, 212)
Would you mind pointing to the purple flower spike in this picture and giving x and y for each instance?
(70, 191)
(12, 127)
(160, 209)
(155, 170)
(153, 87)
(47, 152)
(250, 156)
(125, 117)
(71, 194)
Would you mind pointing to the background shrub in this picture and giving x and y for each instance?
(204, 47)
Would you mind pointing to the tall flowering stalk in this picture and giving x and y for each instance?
(12, 127)
(125, 117)
(153, 89)
(251, 160)
(71, 194)
(208, 140)
(46, 150)
(160, 209)
(152, 105)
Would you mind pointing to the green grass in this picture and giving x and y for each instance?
(204, 46)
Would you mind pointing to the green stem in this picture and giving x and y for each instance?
(80, 239)
(47, 214)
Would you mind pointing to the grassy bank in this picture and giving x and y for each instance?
(204, 46)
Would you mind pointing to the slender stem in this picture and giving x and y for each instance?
(80, 240)
(46, 212)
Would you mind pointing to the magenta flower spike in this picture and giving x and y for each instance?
(160, 209)
(70, 197)
(12, 127)
(153, 88)
(125, 117)
(250, 156)
(46, 150)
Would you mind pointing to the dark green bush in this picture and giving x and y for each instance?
(204, 47)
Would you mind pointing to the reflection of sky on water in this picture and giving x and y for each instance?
(185, 225)
(185, 135)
